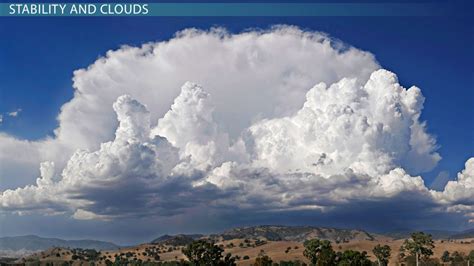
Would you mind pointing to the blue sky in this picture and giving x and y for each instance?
(38, 57)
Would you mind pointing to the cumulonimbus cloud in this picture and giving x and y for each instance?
(252, 75)
(257, 133)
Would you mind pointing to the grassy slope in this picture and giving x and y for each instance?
(275, 249)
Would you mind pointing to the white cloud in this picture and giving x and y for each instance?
(462, 189)
(189, 125)
(20, 159)
(251, 75)
(369, 128)
(458, 194)
(132, 144)
(147, 169)
(10, 114)
(131, 162)
(15, 113)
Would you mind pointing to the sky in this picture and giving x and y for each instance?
(250, 85)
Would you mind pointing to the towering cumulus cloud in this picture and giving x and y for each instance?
(369, 128)
(263, 121)
(189, 125)
(251, 75)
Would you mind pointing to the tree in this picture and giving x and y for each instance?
(420, 245)
(457, 258)
(382, 253)
(202, 252)
(446, 256)
(319, 252)
(470, 258)
(263, 260)
(353, 258)
(228, 260)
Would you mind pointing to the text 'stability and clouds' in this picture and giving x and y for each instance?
(78, 9)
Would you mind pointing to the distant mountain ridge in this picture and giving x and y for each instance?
(176, 240)
(436, 234)
(273, 233)
(32, 242)
(464, 234)
(270, 232)
(296, 233)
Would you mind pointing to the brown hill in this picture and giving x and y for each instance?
(295, 233)
(281, 243)
(283, 250)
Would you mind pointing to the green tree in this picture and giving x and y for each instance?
(382, 253)
(470, 258)
(420, 245)
(457, 258)
(202, 252)
(319, 252)
(263, 260)
(228, 260)
(353, 258)
(446, 256)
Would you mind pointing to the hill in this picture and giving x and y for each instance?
(295, 233)
(281, 243)
(436, 234)
(34, 243)
(246, 251)
(464, 234)
(271, 233)
(176, 240)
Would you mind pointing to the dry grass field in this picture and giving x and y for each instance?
(277, 250)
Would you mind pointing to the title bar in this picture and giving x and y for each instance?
(222, 9)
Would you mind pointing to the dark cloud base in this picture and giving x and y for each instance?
(402, 213)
